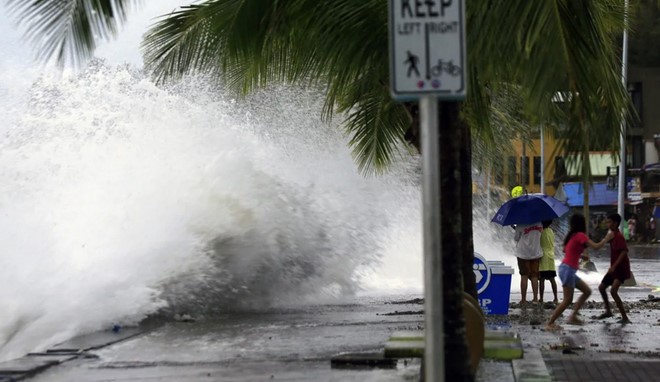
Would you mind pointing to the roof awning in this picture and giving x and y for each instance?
(599, 194)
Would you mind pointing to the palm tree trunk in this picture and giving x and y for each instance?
(457, 367)
(586, 172)
(585, 187)
(467, 250)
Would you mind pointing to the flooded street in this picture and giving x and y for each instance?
(297, 343)
(293, 344)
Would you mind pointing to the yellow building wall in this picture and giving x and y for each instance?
(532, 150)
(599, 163)
(508, 178)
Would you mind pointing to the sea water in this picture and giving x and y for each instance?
(120, 199)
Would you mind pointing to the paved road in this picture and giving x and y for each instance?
(293, 344)
(569, 369)
(296, 344)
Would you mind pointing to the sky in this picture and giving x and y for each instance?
(123, 49)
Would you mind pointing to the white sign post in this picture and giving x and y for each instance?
(427, 49)
(427, 62)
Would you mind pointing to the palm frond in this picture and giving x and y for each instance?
(377, 126)
(68, 30)
(496, 115)
(557, 46)
(255, 43)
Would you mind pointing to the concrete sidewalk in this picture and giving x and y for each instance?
(599, 350)
(285, 344)
(297, 344)
(76, 348)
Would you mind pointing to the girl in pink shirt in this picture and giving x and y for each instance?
(574, 245)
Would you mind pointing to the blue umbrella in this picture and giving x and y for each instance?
(656, 212)
(528, 209)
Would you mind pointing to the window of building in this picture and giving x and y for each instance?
(524, 170)
(636, 95)
(512, 176)
(560, 168)
(498, 172)
(537, 170)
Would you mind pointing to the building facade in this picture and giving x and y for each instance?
(538, 167)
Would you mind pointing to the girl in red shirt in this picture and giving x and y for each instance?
(574, 245)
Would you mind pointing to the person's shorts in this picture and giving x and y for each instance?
(529, 268)
(618, 274)
(547, 275)
(568, 275)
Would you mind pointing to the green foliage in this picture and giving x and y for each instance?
(520, 54)
(644, 46)
(556, 46)
(339, 44)
(68, 30)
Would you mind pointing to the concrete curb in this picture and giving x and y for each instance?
(498, 345)
(34, 363)
(531, 368)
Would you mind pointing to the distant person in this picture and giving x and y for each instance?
(632, 227)
(618, 272)
(528, 252)
(547, 266)
(574, 245)
(652, 229)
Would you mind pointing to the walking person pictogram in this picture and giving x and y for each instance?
(412, 62)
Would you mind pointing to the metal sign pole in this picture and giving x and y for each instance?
(434, 354)
(428, 62)
(622, 139)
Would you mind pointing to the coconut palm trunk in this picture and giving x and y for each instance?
(453, 244)
(586, 176)
(467, 250)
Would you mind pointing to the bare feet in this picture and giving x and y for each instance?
(574, 321)
(552, 327)
(605, 315)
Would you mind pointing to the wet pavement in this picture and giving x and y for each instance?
(297, 343)
(293, 344)
(601, 349)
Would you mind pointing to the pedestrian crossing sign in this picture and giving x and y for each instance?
(427, 49)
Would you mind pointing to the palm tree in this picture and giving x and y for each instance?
(68, 31)
(538, 47)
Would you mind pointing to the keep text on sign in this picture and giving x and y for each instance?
(427, 48)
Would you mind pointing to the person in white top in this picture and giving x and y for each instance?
(529, 253)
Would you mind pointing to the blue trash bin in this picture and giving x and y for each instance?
(493, 285)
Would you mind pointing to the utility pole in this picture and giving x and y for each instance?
(542, 162)
(622, 153)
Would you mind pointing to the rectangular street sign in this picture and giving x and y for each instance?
(427, 49)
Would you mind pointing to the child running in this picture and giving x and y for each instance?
(618, 272)
(547, 266)
(574, 245)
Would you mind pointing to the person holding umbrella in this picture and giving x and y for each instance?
(575, 243)
(528, 253)
(525, 213)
